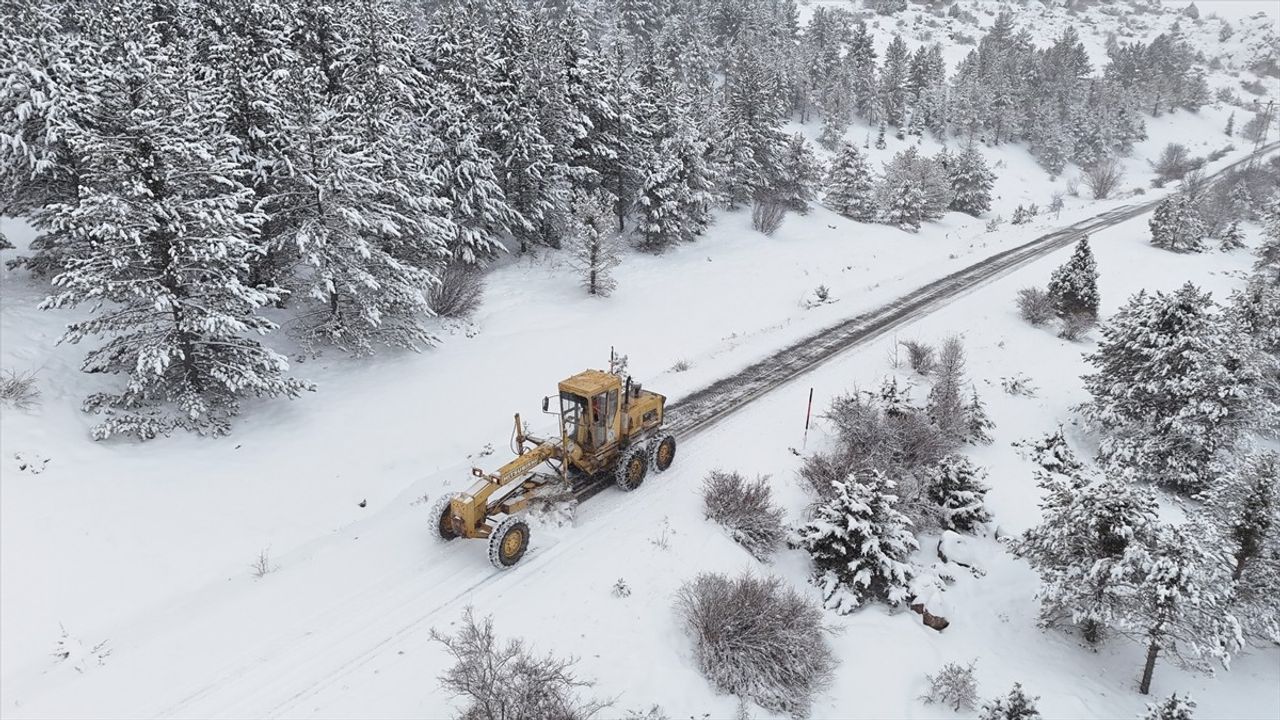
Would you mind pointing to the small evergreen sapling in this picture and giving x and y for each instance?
(978, 422)
(1171, 708)
(860, 544)
(971, 181)
(1017, 705)
(953, 686)
(1073, 288)
(595, 245)
(955, 486)
(1232, 238)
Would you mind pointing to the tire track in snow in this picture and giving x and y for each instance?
(306, 666)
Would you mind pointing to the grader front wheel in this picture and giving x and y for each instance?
(440, 515)
(508, 543)
(663, 453)
(631, 468)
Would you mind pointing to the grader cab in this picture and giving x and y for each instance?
(610, 427)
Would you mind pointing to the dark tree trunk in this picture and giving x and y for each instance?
(1149, 668)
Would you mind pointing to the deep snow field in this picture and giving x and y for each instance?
(147, 548)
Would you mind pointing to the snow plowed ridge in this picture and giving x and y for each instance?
(702, 408)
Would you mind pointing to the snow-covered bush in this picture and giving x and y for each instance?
(503, 681)
(1017, 705)
(885, 434)
(955, 486)
(1171, 708)
(1102, 177)
(1075, 325)
(1174, 163)
(953, 686)
(971, 181)
(19, 390)
(860, 544)
(819, 470)
(915, 189)
(459, 291)
(919, 356)
(1034, 305)
(758, 639)
(746, 509)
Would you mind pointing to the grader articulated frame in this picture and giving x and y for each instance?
(609, 426)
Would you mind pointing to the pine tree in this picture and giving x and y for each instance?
(1017, 705)
(595, 244)
(1232, 238)
(977, 422)
(1173, 388)
(1080, 547)
(1231, 124)
(1073, 288)
(893, 82)
(1255, 309)
(1268, 263)
(850, 185)
(914, 190)
(946, 408)
(1171, 708)
(1177, 603)
(751, 139)
(1244, 514)
(955, 486)
(860, 544)
(971, 181)
(1176, 225)
(798, 174)
(164, 244)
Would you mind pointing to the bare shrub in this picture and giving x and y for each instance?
(1035, 305)
(1174, 163)
(19, 390)
(758, 639)
(1019, 386)
(653, 712)
(261, 567)
(1075, 325)
(746, 510)
(79, 655)
(919, 356)
(953, 686)
(1073, 186)
(1056, 203)
(621, 589)
(505, 681)
(821, 469)
(767, 214)
(1103, 177)
(680, 366)
(459, 292)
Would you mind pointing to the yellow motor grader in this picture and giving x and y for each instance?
(609, 426)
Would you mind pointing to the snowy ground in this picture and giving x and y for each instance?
(148, 547)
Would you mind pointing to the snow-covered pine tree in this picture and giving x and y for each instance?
(1244, 514)
(798, 173)
(860, 67)
(850, 185)
(955, 486)
(1017, 705)
(1079, 549)
(1256, 311)
(1176, 225)
(622, 174)
(914, 190)
(46, 91)
(1268, 263)
(595, 243)
(1053, 454)
(1231, 124)
(860, 544)
(1171, 708)
(1177, 603)
(164, 242)
(977, 422)
(1232, 238)
(750, 137)
(1073, 287)
(893, 82)
(1174, 387)
(971, 181)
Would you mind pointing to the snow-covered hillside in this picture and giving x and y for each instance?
(288, 569)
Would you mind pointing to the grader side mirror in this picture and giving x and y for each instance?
(546, 403)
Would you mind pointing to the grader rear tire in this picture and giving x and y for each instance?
(508, 543)
(631, 468)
